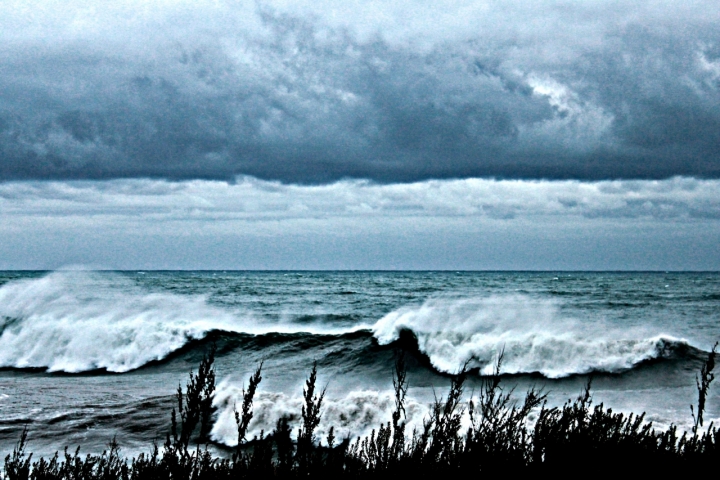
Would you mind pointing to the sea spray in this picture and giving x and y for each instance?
(355, 413)
(533, 335)
(78, 321)
(89, 410)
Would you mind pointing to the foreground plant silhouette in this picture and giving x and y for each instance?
(576, 437)
(703, 385)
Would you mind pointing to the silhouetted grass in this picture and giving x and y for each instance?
(577, 437)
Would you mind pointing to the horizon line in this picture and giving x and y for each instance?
(445, 270)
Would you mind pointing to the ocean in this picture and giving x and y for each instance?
(88, 356)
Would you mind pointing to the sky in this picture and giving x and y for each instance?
(170, 134)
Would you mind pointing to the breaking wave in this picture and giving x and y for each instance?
(532, 334)
(80, 321)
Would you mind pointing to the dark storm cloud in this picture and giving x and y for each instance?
(213, 92)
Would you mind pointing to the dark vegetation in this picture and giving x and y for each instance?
(576, 437)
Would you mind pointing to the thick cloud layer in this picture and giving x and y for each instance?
(313, 92)
(356, 224)
(278, 206)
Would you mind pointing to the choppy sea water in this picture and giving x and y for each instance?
(87, 356)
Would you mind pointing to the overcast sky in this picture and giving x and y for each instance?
(369, 134)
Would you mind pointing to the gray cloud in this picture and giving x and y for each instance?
(313, 93)
(152, 203)
(357, 224)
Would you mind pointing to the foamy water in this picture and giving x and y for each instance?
(79, 321)
(532, 335)
(642, 335)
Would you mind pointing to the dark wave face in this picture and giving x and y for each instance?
(85, 355)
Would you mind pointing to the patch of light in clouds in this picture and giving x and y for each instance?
(250, 199)
(458, 224)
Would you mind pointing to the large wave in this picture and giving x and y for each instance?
(79, 321)
(532, 334)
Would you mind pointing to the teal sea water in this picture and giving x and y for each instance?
(86, 356)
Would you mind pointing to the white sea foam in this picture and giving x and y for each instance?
(355, 414)
(533, 334)
(78, 320)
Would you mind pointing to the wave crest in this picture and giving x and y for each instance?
(74, 321)
(531, 333)
(79, 321)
